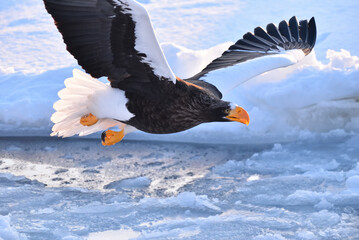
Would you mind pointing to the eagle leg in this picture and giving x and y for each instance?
(110, 137)
(88, 120)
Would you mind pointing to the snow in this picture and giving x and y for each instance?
(131, 183)
(293, 173)
(186, 200)
(7, 232)
(352, 183)
(298, 190)
(324, 218)
(114, 235)
(316, 96)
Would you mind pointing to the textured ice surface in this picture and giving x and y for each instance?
(77, 189)
(6, 231)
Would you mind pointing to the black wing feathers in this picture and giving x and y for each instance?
(274, 32)
(213, 89)
(303, 30)
(312, 33)
(259, 32)
(284, 31)
(84, 29)
(260, 43)
(100, 34)
(294, 29)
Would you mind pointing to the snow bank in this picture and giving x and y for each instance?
(309, 98)
(26, 100)
(319, 95)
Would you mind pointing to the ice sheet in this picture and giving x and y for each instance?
(76, 190)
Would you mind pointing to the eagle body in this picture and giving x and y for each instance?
(115, 39)
(194, 106)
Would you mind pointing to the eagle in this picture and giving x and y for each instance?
(115, 39)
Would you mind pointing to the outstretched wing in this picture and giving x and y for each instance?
(111, 38)
(260, 52)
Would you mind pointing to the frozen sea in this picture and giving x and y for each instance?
(74, 189)
(293, 173)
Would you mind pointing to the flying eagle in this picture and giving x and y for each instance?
(115, 39)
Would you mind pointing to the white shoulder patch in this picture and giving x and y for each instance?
(226, 79)
(146, 40)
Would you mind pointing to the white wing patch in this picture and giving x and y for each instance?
(146, 40)
(226, 79)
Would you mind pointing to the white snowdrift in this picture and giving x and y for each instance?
(310, 97)
(318, 96)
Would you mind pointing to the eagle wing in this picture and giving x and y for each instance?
(259, 52)
(111, 38)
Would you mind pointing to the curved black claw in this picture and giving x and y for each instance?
(103, 136)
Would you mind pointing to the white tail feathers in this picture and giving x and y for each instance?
(73, 104)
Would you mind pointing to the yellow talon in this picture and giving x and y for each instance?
(110, 137)
(88, 120)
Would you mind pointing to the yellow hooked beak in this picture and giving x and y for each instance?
(238, 114)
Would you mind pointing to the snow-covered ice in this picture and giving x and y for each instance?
(293, 173)
(300, 190)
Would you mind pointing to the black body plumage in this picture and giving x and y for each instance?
(177, 107)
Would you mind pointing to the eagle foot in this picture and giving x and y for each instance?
(110, 137)
(88, 120)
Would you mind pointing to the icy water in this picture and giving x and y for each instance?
(76, 189)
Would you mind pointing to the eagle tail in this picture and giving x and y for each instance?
(74, 103)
